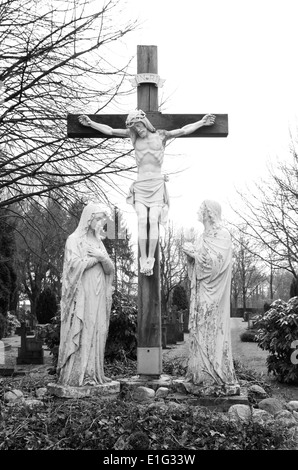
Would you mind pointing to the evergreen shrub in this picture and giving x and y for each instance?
(248, 336)
(122, 336)
(49, 333)
(12, 324)
(277, 331)
(46, 307)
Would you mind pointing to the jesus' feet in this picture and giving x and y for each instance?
(149, 266)
(146, 266)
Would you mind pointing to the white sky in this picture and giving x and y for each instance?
(222, 56)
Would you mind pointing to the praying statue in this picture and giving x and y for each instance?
(86, 301)
(209, 267)
(148, 194)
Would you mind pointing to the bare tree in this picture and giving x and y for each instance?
(282, 285)
(247, 275)
(40, 241)
(57, 57)
(172, 264)
(269, 214)
(8, 277)
(119, 247)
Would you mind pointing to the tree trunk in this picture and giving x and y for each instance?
(271, 282)
(244, 299)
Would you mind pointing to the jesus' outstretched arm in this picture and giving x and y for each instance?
(86, 121)
(207, 120)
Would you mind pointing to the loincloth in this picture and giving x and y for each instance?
(152, 192)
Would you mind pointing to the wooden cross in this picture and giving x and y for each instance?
(149, 351)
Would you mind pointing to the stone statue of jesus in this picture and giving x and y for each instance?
(148, 194)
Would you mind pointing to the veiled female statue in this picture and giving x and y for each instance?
(209, 268)
(86, 302)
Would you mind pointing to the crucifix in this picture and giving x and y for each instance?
(148, 130)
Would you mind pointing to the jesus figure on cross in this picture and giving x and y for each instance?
(148, 194)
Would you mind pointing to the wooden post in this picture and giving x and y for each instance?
(149, 350)
(147, 92)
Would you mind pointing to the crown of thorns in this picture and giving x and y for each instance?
(135, 117)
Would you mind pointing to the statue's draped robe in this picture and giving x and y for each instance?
(85, 313)
(210, 357)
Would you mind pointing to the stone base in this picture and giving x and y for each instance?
(106, 390)
(182, 386)
(181, 391)
(150, 381)
(231, 390)
(179, 385)
(212, 403)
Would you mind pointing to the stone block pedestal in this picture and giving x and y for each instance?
(181, 391)
(107, 390)
(212, 403)
(150, 381)
(183, 386)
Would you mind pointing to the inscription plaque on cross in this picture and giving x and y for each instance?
(149, 130)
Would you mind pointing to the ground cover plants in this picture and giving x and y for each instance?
(122, 424)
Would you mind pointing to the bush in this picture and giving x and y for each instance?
(46, 306)
(176, 366)
(3, 324)
(50, 335)
(12, 324)
(180, 297)
(267, 306)
(248, 336)
(278, 328)
(122, 337)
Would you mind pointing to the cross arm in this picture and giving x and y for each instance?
(167, 122)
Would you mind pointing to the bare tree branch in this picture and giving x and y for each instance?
(56, 59)
(270, 215)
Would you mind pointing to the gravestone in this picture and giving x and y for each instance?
(31, 351)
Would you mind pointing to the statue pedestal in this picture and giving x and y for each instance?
(106, 390)
(184, 386)
(150, 381)
(183, 392)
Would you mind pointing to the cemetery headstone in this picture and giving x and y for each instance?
(31, 350)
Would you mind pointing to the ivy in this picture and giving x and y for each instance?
(92, 424)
